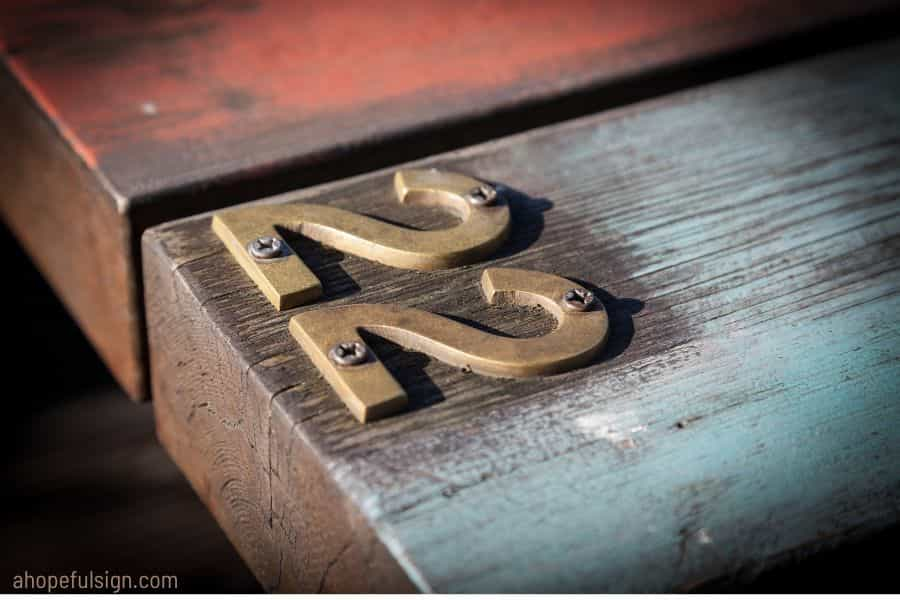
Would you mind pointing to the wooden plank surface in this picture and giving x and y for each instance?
(176, 107)
(192, 92)
(744, 237)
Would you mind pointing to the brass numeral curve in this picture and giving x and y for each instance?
(287, 282)
(330, 337)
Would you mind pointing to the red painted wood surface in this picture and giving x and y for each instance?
(171, 93)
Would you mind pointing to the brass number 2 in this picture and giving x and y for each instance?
(287, 282)
(330, 337)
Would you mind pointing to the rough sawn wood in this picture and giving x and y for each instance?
(745, 237)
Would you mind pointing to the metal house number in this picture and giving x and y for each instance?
(330, 336)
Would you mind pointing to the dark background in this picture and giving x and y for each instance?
(87, 486)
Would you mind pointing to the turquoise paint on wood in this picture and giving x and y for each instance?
(753, 412)
(789, 392)
(804, 440)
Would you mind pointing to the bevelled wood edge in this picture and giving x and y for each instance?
(71, 229)
(297, 531)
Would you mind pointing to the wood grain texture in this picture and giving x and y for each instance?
(178, 107)
(75, 236)
(745, 237)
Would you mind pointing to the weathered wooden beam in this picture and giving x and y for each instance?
(146, 112)
(745, 238)
(63, 217)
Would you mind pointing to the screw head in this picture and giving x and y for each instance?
(578, 299)
(346, 354)
(483, 195)
(265, 247)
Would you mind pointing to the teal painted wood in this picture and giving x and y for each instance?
(802, 443)
(752, 413)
